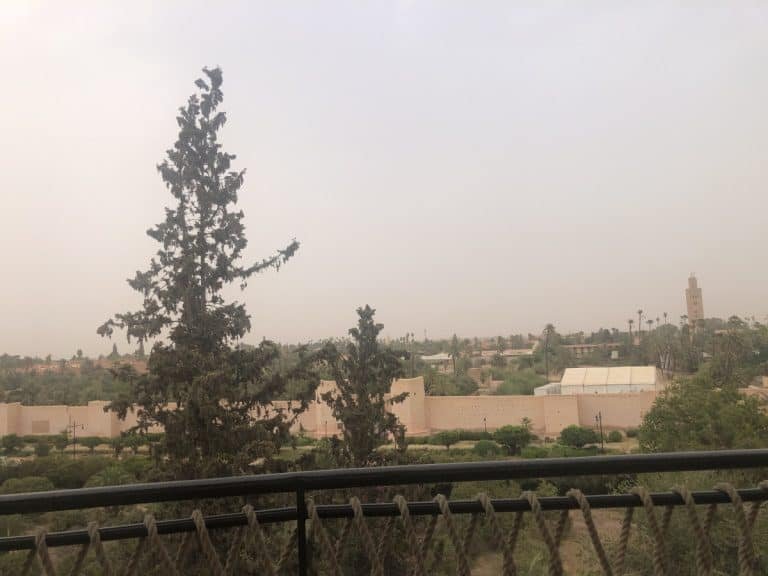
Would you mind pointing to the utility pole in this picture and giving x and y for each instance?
(73, 425)
(599, 421)
(546, 353)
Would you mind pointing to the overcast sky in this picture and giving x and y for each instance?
(473, 167)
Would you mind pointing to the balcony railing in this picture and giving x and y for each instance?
(313, 549)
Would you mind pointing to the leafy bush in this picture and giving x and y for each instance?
(577, 436)
(631, 432)
(446, 438)
(473, 435)
(419, 440)
(91, 442)
(559, 451)
(137, 466)
(486, 448)
(302, 440)
(114, 475)
(28, 484)
(534, 452)
(703, 412)
(615, 436)
(513, 438)
(60, 442)
(134, 441)
(66, 473)
(11, 443)
(42, 448)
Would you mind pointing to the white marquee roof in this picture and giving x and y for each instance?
(601, 376)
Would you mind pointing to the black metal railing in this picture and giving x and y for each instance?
(300, 483)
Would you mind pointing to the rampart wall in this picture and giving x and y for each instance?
(421, 414)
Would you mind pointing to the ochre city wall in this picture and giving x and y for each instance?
(42, 420)
(616, 410)
(421, 414)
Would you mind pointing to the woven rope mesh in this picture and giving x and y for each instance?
(405, 544)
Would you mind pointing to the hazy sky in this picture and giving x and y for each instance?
(472, 167)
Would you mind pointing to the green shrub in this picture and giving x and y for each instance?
(28, 484)
(560, 451)
(420, 440)
(42, 448)
(91, 442)
(66, 473)
(114, 475)
(486, 448)
(513, 438)
(534, 452)
(303, 440)
(578, 436)
(136, 466)
(60, 442)
(615, 436)
(11, 443)
(473, 435)
(631, 432)
(445, 438)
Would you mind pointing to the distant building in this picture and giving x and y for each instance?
(440, 358)
(604, 380)
(580, 351)
(508, 353)
(442, 361)
(694, 301)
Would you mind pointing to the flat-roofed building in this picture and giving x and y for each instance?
(580, 351)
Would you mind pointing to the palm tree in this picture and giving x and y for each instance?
(640, 321)
(657, 322)
(455, 351)
(665, 318)
(549, 329)
(650, 324)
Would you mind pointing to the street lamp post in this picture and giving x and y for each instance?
(599, 422)
(73, 425)
(485, 425)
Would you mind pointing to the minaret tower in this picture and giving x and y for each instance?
(694, 301)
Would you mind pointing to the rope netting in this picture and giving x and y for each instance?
(250, 550)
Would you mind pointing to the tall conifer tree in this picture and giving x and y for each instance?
(211, 397)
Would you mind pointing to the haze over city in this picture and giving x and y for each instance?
(478, 169)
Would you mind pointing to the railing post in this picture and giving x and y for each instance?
(301, 532)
